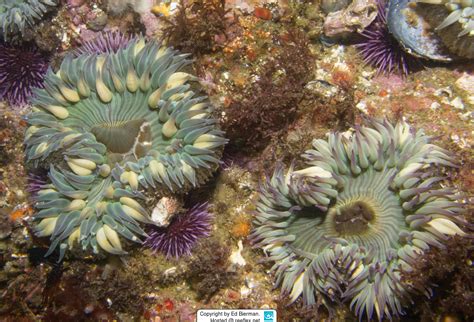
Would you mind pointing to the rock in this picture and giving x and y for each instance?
(96, 20)
(164, 211)
(5, 226)
(75, 3)
(466, 83)
(334, 5)
(355, 18)
(236, 258)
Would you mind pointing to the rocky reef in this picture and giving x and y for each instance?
(161, 157)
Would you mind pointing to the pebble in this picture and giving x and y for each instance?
(97, 20)
(466, 83)
(75, 3)
(457, 103)
(236, 258)
(164, 211)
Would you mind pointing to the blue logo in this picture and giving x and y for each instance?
(268, 316)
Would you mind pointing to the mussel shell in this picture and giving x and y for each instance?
(461, 46)
(415, 35)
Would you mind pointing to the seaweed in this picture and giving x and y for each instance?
(196, 25)
(208, 269)
(452, 272)
(269, 105)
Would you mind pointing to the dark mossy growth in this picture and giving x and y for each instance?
(6, 137)
(269, 106)
(452, 271)
(123, 291)
(299, 312)
(196, 25)
(208, 269)
(70, 299)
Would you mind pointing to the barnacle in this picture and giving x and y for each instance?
(345, 227)
(16, 15)
(115, 129)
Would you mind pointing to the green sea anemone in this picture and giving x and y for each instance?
(116, 129)
(366, 207)
(16, 15)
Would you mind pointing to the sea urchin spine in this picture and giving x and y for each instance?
(381, 50)
(105, 43)
(182, 234)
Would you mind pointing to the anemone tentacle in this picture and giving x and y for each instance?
(16, 15)
(365, 207)
(114, 127)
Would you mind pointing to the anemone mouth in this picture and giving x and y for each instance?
(366, 212)
(120, 137)
(362, 212)
(354, 217)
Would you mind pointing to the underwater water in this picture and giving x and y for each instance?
(186, 160)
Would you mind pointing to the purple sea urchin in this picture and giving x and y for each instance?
(381, 50)
(182, 233)
(105, 43)
(368, 204)
(21, 69)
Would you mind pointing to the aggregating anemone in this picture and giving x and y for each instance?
(16, 15)
(367, 205)
(115, 130)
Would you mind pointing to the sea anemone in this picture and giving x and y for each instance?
(16, 15)
(381, 50)
(454, 22)
(182, 234)
(366, 207)
(115, 131)
(22, 68)
(105, 43)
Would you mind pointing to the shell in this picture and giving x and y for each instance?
(440, 30)
(409, 28)
(453, 22)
